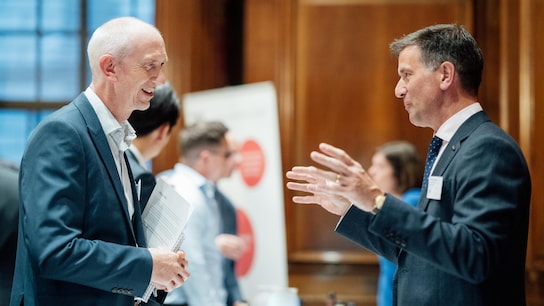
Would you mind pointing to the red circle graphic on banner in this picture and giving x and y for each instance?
(252, 166)
(245, 231)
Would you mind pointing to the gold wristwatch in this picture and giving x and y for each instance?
(378, 203)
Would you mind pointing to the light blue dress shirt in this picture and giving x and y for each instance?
(206, 284)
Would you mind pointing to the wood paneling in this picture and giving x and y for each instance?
(345, 79)
(195, 35)
(532, 131)
(269, 56)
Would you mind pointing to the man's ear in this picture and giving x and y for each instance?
(447, 74)
(164, 130)
(107, 66)
(204, 155)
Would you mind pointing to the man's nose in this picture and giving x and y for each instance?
(400, 90)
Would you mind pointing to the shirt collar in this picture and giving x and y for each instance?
(122, 133)
(448, 128)
(194, 176)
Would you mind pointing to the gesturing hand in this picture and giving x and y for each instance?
(346, 182)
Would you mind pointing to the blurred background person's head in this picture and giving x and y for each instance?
(397, 167)
(204, 147)
(154, 125)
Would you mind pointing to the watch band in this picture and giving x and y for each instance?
(378, 203)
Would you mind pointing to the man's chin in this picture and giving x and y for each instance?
(142, 106)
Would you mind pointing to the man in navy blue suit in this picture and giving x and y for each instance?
(81, 238)
(465, 243)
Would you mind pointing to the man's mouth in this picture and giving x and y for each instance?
(148, 92)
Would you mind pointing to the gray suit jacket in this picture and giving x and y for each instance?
(76, 239)
(468, 248)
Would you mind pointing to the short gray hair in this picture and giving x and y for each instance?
(114, 37)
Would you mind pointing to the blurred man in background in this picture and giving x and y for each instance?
(205, 158)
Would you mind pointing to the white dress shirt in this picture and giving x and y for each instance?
(120, 136)
(450, 127)
(206, 285)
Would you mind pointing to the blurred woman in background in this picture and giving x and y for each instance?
(397, 168)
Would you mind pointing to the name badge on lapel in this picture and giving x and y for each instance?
(138, 188)
(434, 189)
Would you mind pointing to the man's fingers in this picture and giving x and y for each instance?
(336, 153)
(299, 175)
(305, 200)
(297, 186)
(334, 158)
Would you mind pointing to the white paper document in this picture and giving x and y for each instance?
(164, 219)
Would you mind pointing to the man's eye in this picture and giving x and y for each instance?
(149, 66)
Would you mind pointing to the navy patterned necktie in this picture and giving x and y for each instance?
(434, 147)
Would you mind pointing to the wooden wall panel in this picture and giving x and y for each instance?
(269, 56)
(194, 32)
(345, 79)
(536, 110)
(175, 21)
(344, 94)
(532, 130)
(508, 61)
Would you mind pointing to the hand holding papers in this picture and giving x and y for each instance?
(164, 219)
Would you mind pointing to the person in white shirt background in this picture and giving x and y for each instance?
(205, 158)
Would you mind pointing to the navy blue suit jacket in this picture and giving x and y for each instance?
(145, 178)
(468, 248)
(77, 243)
(228, 217)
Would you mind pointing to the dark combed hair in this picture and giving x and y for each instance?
(164, 108)
(200, 136)
(406, 162)
(447, 42)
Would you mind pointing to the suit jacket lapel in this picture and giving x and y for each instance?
(451, 150)
(102, 147)
(137, 224)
